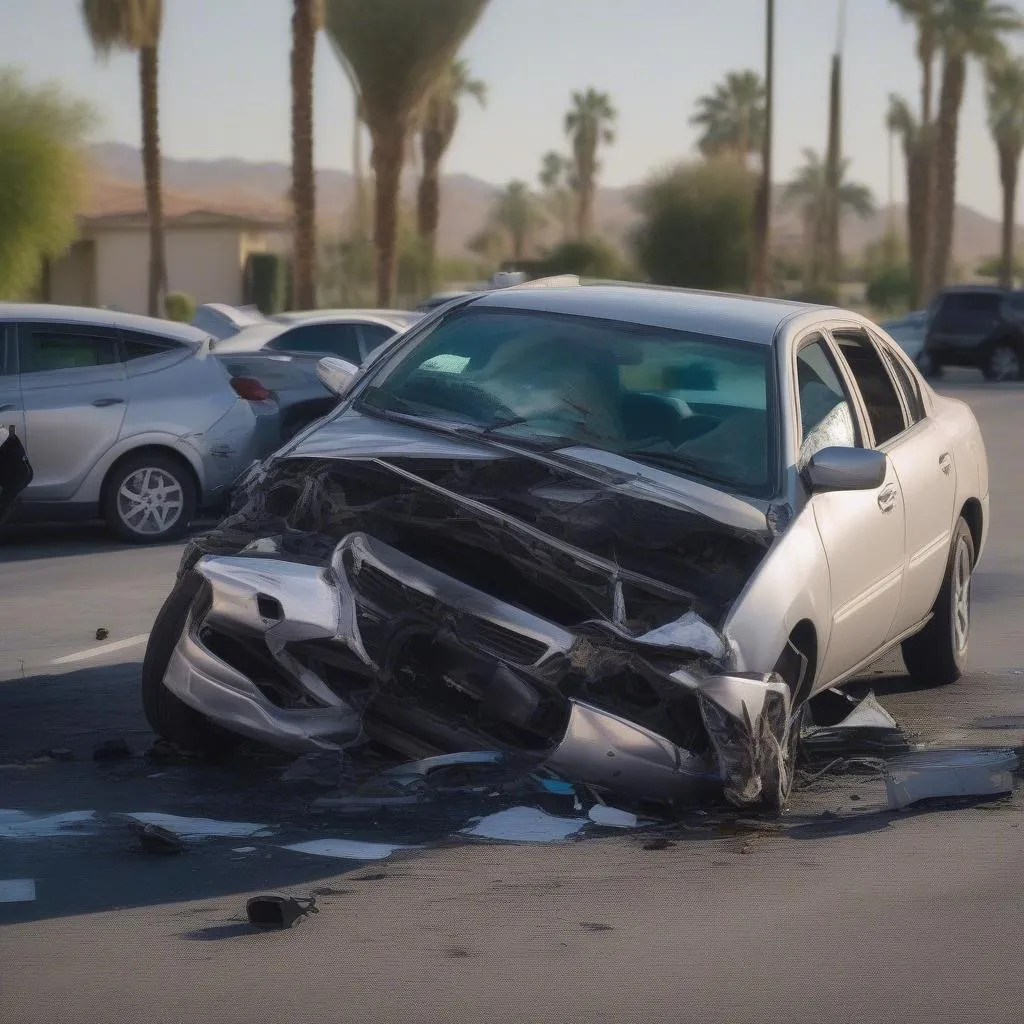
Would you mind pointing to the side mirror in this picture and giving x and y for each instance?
(845, 469)
(336, 374)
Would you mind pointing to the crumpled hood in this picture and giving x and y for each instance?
(596, 533)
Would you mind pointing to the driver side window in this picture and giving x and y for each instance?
(826, 416)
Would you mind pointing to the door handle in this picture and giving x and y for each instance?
(945, 462)
(102, 403)
(887, 499)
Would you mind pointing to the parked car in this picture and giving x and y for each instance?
(404, 316)
(276, 361)
(122, 417)
(908, 332)
(220, 320)
(979, 327)
(622, 533)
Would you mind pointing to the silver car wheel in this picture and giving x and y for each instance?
(1004, 364)
(960, 606)
(150, 501)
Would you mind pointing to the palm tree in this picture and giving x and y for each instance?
(901, 123)
(557, 181)
(439, 120)
(809, 191)
(307, 19)
(925, 15)
(396, 52)
(967, 28)
(732, 116)
(1005, 96)
(589, 124)
(516, 213)
(134, 26)
(763, 206)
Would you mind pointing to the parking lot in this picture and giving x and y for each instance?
(843, 911)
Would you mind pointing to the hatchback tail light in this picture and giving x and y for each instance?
(250, 389)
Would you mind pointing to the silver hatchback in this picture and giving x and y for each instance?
(123, 417)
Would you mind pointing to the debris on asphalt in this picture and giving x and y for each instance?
(524, 825)
(602, 814)
(21, 825)
(275, 910)
(112, 750)
(102, 633)
(956, 772)
(867, 728)
(17, 890)
(61, 754)
(347, 849)
(158, 840)
(243, 849)
(200, 828)
(164, 752)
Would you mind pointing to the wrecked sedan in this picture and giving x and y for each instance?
(621, 532)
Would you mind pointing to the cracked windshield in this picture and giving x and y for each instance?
(480, 491)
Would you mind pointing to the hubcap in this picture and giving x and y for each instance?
(961, 598)
(150, 501)
(1005, 364)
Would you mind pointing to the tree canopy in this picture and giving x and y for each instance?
(40, 178)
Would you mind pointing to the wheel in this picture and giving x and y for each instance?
(149, 498)
(1002, 362)
(938, 654)
(168, 716)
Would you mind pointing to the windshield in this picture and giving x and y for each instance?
(689, 403)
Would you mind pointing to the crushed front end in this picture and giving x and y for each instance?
(459, 602)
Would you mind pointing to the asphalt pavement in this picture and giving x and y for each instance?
(842, 911)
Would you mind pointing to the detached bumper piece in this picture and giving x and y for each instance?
(305, 657)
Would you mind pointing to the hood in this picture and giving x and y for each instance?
(570, 535)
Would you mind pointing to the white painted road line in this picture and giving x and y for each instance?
(17, 890)
(97, 652)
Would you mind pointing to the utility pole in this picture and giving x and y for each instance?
(763, 210)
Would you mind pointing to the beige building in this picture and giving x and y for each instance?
(207, 245)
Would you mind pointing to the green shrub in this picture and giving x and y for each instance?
(587, 257)
(889, 288)
(180, 307)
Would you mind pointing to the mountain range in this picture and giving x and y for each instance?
(466, 202)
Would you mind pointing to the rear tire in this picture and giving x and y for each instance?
(937, 656)
(1002, 362)
(149, 498)
(169, 716)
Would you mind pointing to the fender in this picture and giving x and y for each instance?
(779, 595)
(89, 490)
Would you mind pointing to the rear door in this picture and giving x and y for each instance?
(963, 320)
(75, 395)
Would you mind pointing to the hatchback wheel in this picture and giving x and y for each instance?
(1002, 363)
(938, 654)
(149, 498)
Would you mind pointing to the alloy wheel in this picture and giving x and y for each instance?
(960, 606)
(150, 501)
(1004, 364)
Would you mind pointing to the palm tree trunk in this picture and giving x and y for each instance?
(585, 210)
(148, 89)
(948, 124)
(428, 214)
(389, 150)
(915, 158)
(1008, 169)
(358, 226)
(762, 224)
(303, 174)
(832, 167)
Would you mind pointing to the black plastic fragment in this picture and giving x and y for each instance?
(275, 910)
(158, 840)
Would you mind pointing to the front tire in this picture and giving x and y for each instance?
(1002, 362)
(937, 656)
(169, 716)
(149, 498)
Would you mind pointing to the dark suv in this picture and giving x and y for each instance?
(981, 327)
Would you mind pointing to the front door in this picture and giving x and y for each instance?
(75, 395)
(862, 532)
(11, 410)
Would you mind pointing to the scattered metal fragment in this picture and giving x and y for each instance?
(157, 840)
(102, 633)
(867, 729)
(956, 772)
(112, 750)
(17, 890)
(602, 814)
(276, 910)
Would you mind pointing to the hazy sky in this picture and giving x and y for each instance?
(224, 81)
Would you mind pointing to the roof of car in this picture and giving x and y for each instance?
(740, 317)
(250, 339)
(101, 318)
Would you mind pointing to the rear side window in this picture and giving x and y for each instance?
(46, 351)
(876, 387)
(138, 346)
(906, 383)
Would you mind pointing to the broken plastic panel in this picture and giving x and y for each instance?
(963, 772)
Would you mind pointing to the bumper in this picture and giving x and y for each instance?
(368, 602)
